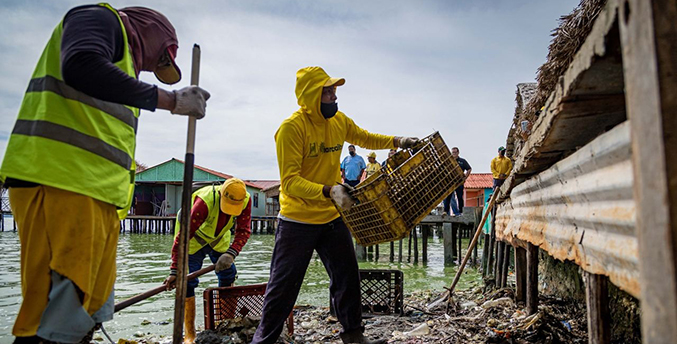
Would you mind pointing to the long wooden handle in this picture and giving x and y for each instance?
(474, 242)
(186, 204)
(138, 298)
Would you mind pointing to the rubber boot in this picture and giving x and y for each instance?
(189, 321)
(356, 336)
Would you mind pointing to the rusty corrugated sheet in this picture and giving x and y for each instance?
(581, 209)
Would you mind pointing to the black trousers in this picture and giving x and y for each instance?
(294, 246)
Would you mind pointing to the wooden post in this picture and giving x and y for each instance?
(649, 43)
(411, 232)
(392, 251)
(459, 237)
(506, 264)
(399, 259)
(520, 273)
(376, 253)
(415, 245)
(454, 228)
(597, 300)
(532, 279)
(474, 254)
(424, 238)
(447, 238)
(499, 263)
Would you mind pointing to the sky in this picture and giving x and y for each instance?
(411, 68)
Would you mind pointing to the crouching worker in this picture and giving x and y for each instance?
(216, 209)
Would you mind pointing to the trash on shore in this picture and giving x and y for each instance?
(473, 317)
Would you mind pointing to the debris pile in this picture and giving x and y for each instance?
(471, 317)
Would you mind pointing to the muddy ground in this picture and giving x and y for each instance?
(474, 316)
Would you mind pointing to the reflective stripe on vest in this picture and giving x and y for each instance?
(205, 235)
(68, 140)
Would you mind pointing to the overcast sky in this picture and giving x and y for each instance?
(411, 67)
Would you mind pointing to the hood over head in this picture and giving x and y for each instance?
(150, 34)
(309, 84)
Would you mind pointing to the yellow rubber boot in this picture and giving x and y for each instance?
(189, 321)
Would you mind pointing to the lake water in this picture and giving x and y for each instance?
(143, 263)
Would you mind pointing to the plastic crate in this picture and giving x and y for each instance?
(394, 200)
(224, 303)
(382, 292)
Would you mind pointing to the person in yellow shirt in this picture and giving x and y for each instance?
(372, 166)
(500, 167)
(309, 145)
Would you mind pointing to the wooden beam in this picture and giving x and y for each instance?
(649, 45)
(506, 264)
(424, 238)
(454, 230)
(485, 254)
(597, 300)
(532, 279)
(499, 262)
(520, 274)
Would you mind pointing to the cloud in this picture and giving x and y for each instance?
(410, 68)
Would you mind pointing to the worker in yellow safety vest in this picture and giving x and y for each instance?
(69, 162)
(216, 210)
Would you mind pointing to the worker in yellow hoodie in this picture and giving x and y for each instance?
(309, 145)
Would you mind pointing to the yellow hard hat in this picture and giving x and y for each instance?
(233, 193)
(372, 155)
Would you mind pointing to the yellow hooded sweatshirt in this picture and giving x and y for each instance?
(309, 151)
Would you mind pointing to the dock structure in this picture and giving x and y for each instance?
(594, 178)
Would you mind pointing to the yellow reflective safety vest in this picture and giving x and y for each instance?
(206, 234)
(68, 140)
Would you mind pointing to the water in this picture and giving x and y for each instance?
(143, 263)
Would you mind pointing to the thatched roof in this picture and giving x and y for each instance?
(567, 39)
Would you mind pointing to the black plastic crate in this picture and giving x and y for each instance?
(382, 292)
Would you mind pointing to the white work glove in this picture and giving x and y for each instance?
(408, 142)
(224, 262)
(191, 101)
(341, 196)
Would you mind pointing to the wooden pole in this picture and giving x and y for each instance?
(649, 42)
(411, 232)
(140, 297)
(182, 257)
(415, 245)
(392, 251)
(597, 300)
(532, 279)
(499, 263)
(520, 273)
(485, 255)
(424, 235)
(400, 251)
(506, 264)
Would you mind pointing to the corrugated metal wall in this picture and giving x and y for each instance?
(581, 209)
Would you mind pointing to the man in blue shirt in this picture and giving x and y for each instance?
(352, 167)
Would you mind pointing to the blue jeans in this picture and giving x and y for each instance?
(226, 277)
(352, 183)
(452, 200)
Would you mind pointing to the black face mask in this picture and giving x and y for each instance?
(352, 153)
(328, 110)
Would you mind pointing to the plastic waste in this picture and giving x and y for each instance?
(504, 301)
(420, 330)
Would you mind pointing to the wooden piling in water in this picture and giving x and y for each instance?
(415, 246)
(400, 251)
(454, 228)
(499, 263)
(506, 264)
(447, 239)
(424, 238)
(392, 251)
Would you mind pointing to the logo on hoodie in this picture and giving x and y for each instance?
(313, 150)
